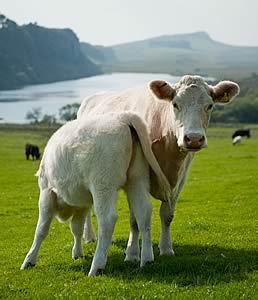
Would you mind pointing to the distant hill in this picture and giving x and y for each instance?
(98, 54)
(31, 54)
(185, 53)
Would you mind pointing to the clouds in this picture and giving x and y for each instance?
(114, 21)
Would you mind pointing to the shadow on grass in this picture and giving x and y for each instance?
(192, 265)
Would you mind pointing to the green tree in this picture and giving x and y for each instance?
(242, 110)
(48, 119)
(69, 111)
(34, 115)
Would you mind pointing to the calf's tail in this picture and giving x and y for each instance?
(135, 121)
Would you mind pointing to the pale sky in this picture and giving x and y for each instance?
(109, 22)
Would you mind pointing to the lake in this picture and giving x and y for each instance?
(14, 104)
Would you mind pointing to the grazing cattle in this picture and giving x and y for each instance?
(85, 162)
(241, 132)
(177, 117)
(32, 150)
(236, 140)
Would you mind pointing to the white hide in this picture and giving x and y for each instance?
(236, 140)
(177, 117)
(85, 162)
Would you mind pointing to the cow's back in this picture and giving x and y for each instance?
(139, 100)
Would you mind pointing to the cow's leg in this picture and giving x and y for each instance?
(76, 227)
(166, 216)
(104, 206)
(89, 234)
(46, 213)
(142, 208)
(132, 250)
(167, 213)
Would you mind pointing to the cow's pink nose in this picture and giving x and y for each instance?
(194, 140)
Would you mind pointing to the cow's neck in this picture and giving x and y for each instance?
(165, 149)
(171, 161)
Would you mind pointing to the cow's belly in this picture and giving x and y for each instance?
(66, 208)
(78, 197)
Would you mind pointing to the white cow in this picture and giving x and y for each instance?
(85, 162)
(177, 117)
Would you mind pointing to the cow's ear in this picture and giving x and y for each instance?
(224, 91)
(162, 90)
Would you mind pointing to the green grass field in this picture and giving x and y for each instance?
(214, 232)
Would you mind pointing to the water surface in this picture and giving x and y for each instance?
(14, 104)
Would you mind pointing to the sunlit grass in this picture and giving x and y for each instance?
(214, 232)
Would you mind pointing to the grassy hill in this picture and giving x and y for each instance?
(185, 53)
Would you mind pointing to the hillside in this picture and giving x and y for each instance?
(31, 54)
(185, 53)
(98, 54)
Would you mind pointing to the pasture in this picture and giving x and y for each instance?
(214, 232)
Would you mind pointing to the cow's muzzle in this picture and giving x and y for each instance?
(194, 141)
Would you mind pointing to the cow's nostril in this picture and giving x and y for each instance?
(187, 139)
(201, 140)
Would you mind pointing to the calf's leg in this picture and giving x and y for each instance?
(76, 227)
(47, 211)
(89, 234)
(141, 208)
(132, 250)
(104, 206)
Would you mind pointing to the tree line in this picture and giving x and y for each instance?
(66, 113)
(244, 109)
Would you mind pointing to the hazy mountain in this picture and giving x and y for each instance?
(98, 54)
(32, 54)
(185, 53)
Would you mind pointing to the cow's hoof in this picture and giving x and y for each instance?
(167, 252)
(78, 256)
(27, 265)
(145, 263)
(96, 272)
(147, 260)
(132, 258)
(77, 253)
(90, 240)
(132, 254)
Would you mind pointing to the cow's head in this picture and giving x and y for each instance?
(192, 101)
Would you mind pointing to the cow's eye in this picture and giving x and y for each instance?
(175, 105)
(209, 107)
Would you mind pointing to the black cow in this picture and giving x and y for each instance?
(32, 150)
(241, 132)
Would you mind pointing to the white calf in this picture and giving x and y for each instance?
(85, 162)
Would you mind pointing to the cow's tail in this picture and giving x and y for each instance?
(135, 121)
